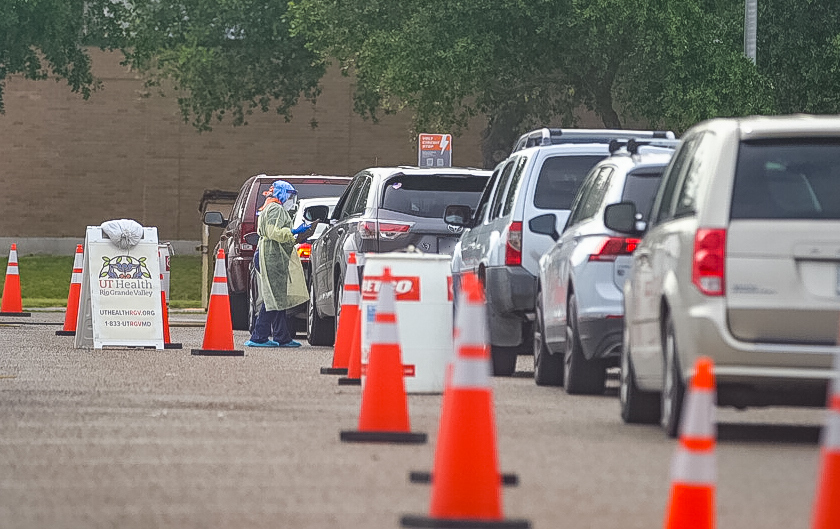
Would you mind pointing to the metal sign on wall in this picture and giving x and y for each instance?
(120, 301)
(434, 150)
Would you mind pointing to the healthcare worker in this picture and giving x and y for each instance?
(281, 281)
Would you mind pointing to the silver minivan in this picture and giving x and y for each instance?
(740, 261)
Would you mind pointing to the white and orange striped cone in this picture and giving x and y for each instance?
(348, 320)
(72, 312)
(12, 303)
(218, 330)
(466, 489)
(827, 503)
(694, 468)
(164, 310)
(384, 414)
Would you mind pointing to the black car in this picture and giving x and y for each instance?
(385, 209)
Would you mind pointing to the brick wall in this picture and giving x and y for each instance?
(67, 163)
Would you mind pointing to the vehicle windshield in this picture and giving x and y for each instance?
(787, 179)
(307, 190)
(428, 195)
(560, 177)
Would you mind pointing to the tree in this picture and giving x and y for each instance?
(43, 38)
(223, 56)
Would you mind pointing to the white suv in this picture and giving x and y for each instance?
(740, 261)
(498, 243)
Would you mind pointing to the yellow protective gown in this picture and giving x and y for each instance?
(281, 279)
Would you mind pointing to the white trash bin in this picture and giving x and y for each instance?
(424, 314)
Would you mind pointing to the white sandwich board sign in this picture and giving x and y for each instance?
(120, 302)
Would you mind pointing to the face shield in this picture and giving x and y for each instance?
(291, 202)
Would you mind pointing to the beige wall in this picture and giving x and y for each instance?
(67, 163)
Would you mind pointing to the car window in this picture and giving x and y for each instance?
(664, 201)
(640, 188)
(580, 198)
(428, 195)
(484, 201)
(592, 202)
(347, 202)
(360, 198)
(514, 185)
(496, 208)
(559, 179)
(686, 203)
(787, 179)
(238, 209)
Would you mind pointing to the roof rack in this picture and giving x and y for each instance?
(632, 145)
(555, 136)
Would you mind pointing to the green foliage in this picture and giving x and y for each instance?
(223, 56)
(44, 38)
(45, 280)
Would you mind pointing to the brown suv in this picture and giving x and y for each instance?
(243, 220)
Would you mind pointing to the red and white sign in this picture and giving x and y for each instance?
(405, 288)
(434, 150)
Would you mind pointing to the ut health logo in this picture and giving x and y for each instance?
(124, 267)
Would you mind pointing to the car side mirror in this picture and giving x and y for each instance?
(215, 218)
(622, 217)
(457, 215)
(545, 225)
(319, 213)
(252, 238)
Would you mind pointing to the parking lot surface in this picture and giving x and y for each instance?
(140, 438)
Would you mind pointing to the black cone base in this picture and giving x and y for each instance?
(383, 437)
(17, 314)
(218, 352)
(65, 333)
(413, 520)
(333, 370)
(345, 381)
(416, 476)
(172, 345)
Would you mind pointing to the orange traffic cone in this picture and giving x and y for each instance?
(693, 469)
(384, 414)
(12, 304)
(218, 330)
(466, 489)
(347, 322)
(827, 503)
(72, 312)
(354, 369)
(164, 310)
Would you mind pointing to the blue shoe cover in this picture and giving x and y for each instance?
(269, 343)
(290, 343)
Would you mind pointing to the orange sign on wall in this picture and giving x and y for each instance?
(434, 150)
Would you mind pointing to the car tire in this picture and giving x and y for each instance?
(580, 376)
(319, 331)
(637, 406)
(338, 297)
(239, 311)
(673, 386)
(504, 360)
(548, 368)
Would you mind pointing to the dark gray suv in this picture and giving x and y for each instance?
(385, 209)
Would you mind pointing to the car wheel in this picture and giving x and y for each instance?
(239, 311)
(338, 298)
(581, 376)
(673, 388)
(637, 406)
(319, 331)
(504, 360)
(548, 368)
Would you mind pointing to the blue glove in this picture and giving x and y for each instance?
(302, 228)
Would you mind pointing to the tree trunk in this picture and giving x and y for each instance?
(498, 137)
(604, 104)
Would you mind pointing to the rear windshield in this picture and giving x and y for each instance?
(428, 195)
(307, 190)
(640, 187)
(560, 177)
(787, 179)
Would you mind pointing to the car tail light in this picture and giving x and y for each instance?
(371, 229)
(304, 251)
(707, 269)
(513, 248)
(612, 247)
